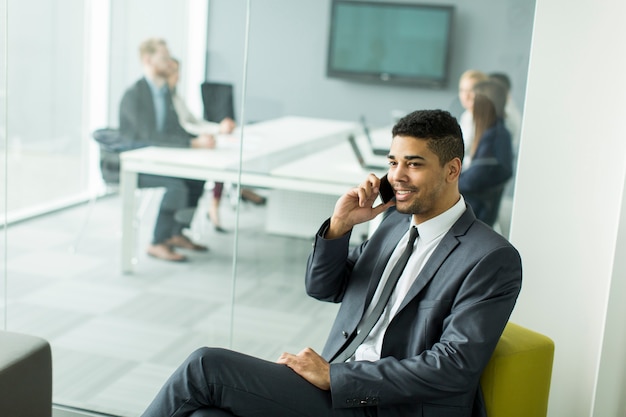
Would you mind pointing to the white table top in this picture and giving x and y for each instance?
(290, 153)
(336, 165)
(265, 146)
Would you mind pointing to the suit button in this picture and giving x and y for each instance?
(345, 334)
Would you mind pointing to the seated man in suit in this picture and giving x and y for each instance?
(148, 118)
(423, 304)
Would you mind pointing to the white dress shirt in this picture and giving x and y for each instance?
(159, 98)
(189, 121)
(431, 232)
(467, 128)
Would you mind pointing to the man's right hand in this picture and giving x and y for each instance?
(227, 125)
(356, 206)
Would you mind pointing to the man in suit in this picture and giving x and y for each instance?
(148, 118)
(423, 355)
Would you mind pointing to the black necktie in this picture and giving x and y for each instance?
(371, 320)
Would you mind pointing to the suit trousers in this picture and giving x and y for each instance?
(214, 382)
(179, 193)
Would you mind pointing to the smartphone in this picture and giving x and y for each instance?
(386, 190)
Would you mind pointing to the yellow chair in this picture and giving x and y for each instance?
(516, 381)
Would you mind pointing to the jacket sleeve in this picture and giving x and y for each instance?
(329, 266)
(129, 117)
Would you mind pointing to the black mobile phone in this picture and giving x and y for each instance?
(386, 190)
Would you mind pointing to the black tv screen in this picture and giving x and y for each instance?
(398, 43)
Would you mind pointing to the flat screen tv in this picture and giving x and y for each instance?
(394, 43)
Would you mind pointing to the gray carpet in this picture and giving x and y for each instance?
(116, 338)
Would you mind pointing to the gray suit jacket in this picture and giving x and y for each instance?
(437, 345)
(138, 120)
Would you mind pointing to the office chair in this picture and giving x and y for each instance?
(486, 204)
(217, 99)
(111, 144)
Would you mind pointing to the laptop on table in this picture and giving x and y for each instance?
(366, 131)
(375, 163)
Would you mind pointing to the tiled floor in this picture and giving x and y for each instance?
(116, 338)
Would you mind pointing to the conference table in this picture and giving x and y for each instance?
(291, 156)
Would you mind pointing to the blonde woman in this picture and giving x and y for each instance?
(466, 96)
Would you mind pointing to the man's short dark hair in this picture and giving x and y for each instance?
(438, 127)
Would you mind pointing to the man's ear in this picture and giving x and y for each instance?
(454, 169)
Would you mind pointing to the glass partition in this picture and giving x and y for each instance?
(3, 164)
(76, 227)
(115, 334)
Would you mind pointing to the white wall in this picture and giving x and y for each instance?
(181, 23)
(45, 72)
(568, 218)
(287, 57)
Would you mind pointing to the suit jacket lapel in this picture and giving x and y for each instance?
(147, 105)
(449, 242)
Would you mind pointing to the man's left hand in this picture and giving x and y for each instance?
(310, 366)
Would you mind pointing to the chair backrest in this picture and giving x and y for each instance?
(109, 141)
(217, 99)
(516, 381)
(112, 143)
(490, 200)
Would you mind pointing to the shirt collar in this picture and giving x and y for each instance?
(155, 89)
(431, 229)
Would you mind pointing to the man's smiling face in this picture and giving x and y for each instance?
(423, 186)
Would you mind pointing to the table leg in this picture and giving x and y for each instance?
(128, 185)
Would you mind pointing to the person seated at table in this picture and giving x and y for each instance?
(147, 118)
(197, 126)
(491, 157)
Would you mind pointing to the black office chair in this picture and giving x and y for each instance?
(486, 204)
(217, 99)
(111, 144)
